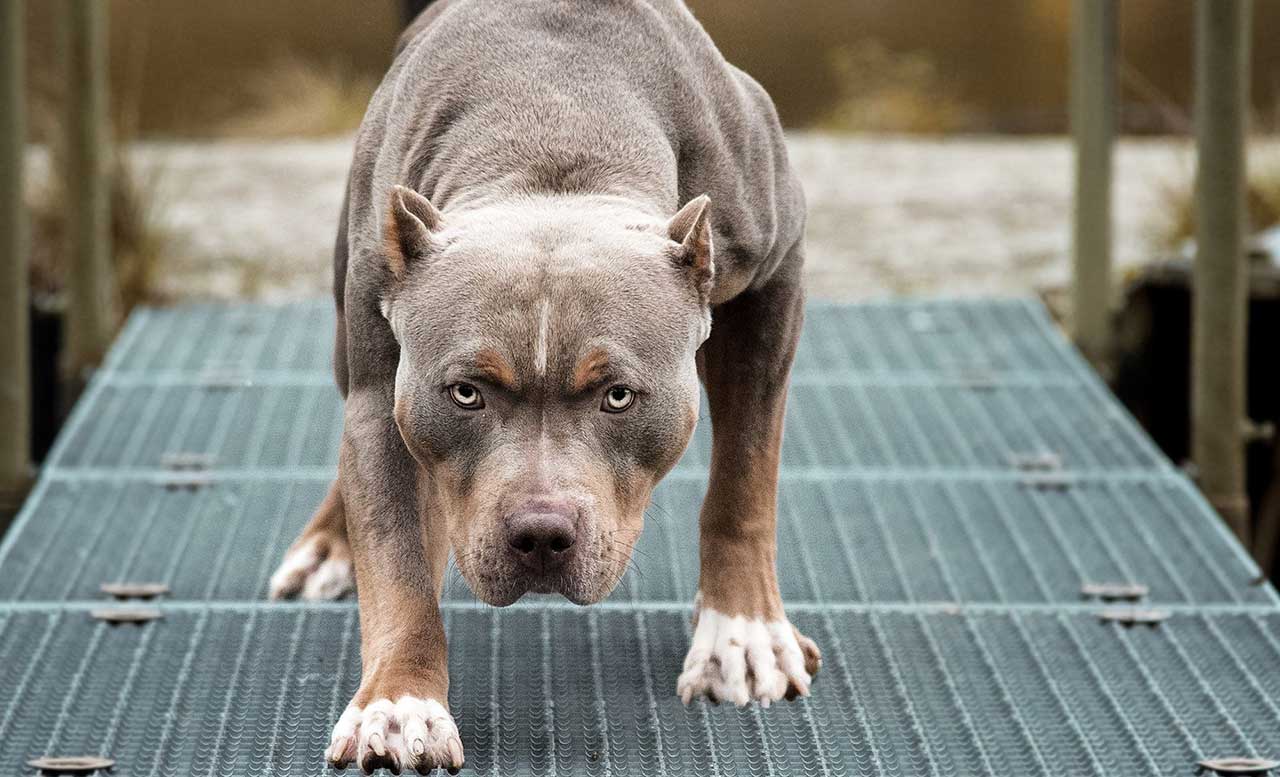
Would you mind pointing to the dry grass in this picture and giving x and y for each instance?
(887, 91)
(300, 98)
(1175, 222)
(138, 240)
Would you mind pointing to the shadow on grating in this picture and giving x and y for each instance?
(567, 691)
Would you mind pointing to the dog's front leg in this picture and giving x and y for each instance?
(399, 717)
(744, 647)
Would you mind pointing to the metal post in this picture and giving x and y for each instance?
(15, 361)
(1093, 124)
(90, 300)
(1221, 274)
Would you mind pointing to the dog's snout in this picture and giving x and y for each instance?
(542, 537)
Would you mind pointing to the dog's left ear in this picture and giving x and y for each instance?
(409, 234)
(691, 228)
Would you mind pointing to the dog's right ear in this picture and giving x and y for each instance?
(409, 234)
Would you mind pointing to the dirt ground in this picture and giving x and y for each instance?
(888, 215)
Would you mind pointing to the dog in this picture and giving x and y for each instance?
(562, 216)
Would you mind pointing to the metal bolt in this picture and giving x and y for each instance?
(116, 615)
(1111, 592)
(70, 764)
(134, 590)
(1237, 765)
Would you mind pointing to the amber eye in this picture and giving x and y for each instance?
(466, 396)
(617, 399)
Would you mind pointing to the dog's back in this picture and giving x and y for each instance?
(490, 98)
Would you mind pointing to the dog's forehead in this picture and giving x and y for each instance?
(546, 318)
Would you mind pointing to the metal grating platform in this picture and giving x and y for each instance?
(953, 474)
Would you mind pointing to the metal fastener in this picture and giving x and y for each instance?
(70, 764)
(1112, 592)
(1040, 461)
(977, 380)
(1237, 765)
(224, 378)
(1129, 616)
(134, 590)
(186, 482)
(127, 614)
(1048, 481)
(187, 460)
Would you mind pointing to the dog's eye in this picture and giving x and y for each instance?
(466, 396)
(617, 399)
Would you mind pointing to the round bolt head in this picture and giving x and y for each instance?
(1238, 765)
(71, 764)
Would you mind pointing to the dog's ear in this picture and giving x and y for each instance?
(409, 234)
(691, 228)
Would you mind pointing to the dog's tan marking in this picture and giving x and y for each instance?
(593, 368)
(495, 368)
(391, 246)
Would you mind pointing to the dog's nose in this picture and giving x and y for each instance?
(542, 538)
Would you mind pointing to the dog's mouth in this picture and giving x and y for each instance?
(501, 583)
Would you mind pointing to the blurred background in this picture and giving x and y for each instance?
(930, 135)
(931, 138)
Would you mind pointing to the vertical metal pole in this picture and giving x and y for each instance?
(1093, 124)
(15, 361)
(1221, 274)
(90, 301)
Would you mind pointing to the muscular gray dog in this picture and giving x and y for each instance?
(560, 216)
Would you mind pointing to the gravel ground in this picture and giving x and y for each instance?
(888, 215)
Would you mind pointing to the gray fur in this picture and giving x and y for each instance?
(556, 139)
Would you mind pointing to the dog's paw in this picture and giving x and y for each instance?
(317, 567)
(739, 659)
(410, 733)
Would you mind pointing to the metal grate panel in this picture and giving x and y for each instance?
(972, 339)
(940, 573)
(565, 691)
(843, 539)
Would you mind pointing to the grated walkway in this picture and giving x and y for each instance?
(953, 475)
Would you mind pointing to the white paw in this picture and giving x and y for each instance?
(411, 733)
(316, 569)
(738, 659)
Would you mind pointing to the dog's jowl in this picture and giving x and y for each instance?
(562, 216)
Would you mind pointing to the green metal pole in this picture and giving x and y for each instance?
(90, 312)
(1221, 273)
(15, 359)
(1093, 126)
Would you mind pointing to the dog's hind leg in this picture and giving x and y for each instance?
(744, 648)
(317, 565)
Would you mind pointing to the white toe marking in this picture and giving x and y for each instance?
(330, 580)
(740, 659)
(412, 732)
(293, 571)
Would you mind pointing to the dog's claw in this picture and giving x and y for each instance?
(739, 660)
(411, 732)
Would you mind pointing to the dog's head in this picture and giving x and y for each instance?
(547, 378)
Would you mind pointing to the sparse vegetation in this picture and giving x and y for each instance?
(138, 237)
(296, 97)
(1175, 221)
(886, 91)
